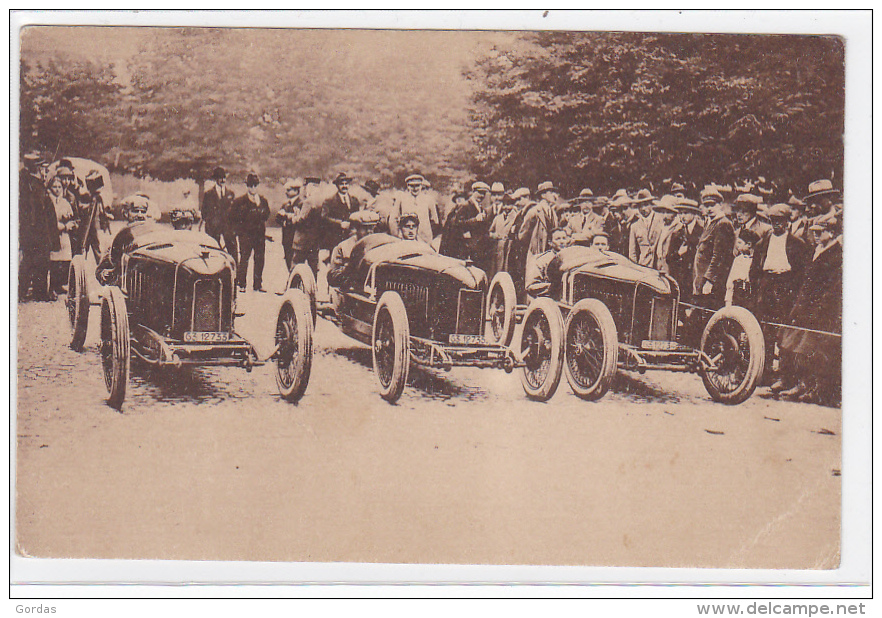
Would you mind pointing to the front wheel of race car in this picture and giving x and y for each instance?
(542, 349)
(301, 278)
(591, 349)
(77, 302)
(115, 345)
(502, 303)
(391, 345)
(294, 330)
(733, 341)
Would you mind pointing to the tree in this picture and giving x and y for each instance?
(608, 110)
(68, 108)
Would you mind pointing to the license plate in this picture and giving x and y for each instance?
(467, 339)
(197, 337)
(647, 344)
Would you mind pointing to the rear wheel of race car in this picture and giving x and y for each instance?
(77, 302)
(294, 338)
(301, 278)
(502, 302)
(733, 340)
(115, 345)
(391, 346)
(591, 349)
(542, 349)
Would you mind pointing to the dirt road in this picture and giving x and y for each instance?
(212, 464)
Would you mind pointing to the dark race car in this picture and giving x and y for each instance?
(411, 304)
(615, 314)
(173, 303)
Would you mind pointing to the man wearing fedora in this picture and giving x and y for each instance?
(645, 230)
(822, 199)
(37, 230)
(216, 205)
(248, 215)
(466, 224)
(818, 307)
(416, 200)
(335, 213)
(540, 220)
(714, 254)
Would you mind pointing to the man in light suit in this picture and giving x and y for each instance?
(645, 230)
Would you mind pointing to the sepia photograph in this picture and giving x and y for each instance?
(548, 297)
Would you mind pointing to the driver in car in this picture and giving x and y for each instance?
(538, 281)
(409, 227)
(364, 222)
(140, 223)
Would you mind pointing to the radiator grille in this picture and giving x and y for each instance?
(661, 323)
(415, 296)
(469, 319)
(207, 305)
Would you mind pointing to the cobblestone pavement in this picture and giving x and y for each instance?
(213, 464)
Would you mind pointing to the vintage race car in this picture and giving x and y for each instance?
(410, 304)
(614, 314)
(173, 304)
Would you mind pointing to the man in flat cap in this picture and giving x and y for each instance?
(300, 220)
(248, 215)
(497, 191)
(417, 201)
(335, 212)
(745, 215)
(645, 230)
(779, 261)
(363, 222)
(666, 208)
(713, 257)
(681, 254)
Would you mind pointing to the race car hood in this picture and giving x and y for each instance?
(607, 264)
(377, 249)
(195, 250)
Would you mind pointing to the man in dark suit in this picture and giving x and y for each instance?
(37, 231)
(818, 307)
(335, 213)
(299, 218)
(684, 242)
(713, 258)
(248, 216)
(216, 204)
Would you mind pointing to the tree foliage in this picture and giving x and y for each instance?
(68, 107)
(609, 110)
